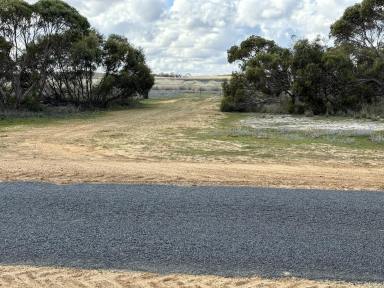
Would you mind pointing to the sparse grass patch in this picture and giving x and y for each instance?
(43, 118)
(65, 114)
(249, 132)
(230, 139)
(377, 138)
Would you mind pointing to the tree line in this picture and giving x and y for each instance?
(50, 54)
(313, 77)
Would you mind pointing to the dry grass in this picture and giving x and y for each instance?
(33, 277)
(182, 141)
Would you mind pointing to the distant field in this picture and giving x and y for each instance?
(168, 86)
(172, 86)
(187, 140)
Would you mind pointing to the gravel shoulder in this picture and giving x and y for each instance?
(45, 277)
(190, 173)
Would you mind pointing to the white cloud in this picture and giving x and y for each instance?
(255, 12)
(188, 36)
(281, 19)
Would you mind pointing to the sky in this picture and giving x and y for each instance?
(192, 36)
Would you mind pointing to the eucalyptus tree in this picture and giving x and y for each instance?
(309, 70)
(361, 29)
(339, 81)
(72, 70)
(18, 28)
(49, 53)
(60, 27)
(266, 65)
(319, 79)
(265, 68)
(31, 32)
(5, 67)
(362, 26)
(126, 71)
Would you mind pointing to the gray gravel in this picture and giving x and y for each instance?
(199, 230)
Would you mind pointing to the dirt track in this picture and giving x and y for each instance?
(154, 144)
(17, 277)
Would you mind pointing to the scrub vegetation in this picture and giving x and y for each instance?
(311, 78)
(49, 54)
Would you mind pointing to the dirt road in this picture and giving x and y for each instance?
(166, 142)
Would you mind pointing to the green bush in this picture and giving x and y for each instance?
(32, 103)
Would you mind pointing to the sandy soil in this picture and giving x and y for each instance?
(151, 145)
(33, 277)
(263, 175)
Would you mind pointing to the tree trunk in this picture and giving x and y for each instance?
(2, 99)
(18, 92)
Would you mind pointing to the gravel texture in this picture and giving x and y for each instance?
(195, 230)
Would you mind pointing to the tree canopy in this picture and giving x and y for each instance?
(50, 54)
(316, 78)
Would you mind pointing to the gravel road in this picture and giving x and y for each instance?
(198, 230)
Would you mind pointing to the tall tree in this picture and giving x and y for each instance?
(309, 71)
(18, 28)
(5, 67)
(266, 64)
(361, 29)
(339, 81)
(266, 68)
(362, 26)
(31, 31)
(49, 52)
(127, 73)
(72, 72)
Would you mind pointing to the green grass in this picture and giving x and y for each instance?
(54, 116)
(41, 119)
(272, 143)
